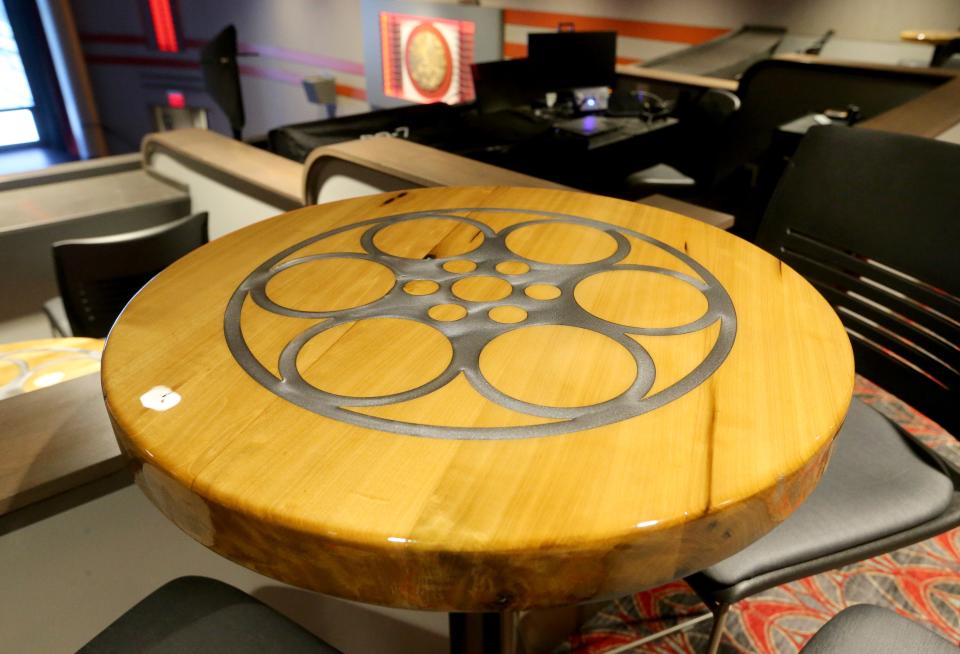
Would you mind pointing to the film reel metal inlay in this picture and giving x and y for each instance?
(470, 333)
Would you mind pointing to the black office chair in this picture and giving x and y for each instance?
(870, 219)
(196, 614)
(98, 276)
(866, 629)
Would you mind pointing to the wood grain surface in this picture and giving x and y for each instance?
(31, 365)
(254, 171)
(675, 78)
(933, 37)
(54, 440)
(396, 502)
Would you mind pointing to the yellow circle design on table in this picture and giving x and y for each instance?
(434, 238)
(421, 287)
(606, 368)
(329, 284)
(460, 266)
(512, 267)
(353, 355)
(648, 299)
(561, 243)
(481, 288)
(542, 292)
(447, 312)
(507, 314)
(566, 303)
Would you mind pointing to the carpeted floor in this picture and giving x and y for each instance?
(921, 582)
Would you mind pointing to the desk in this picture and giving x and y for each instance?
(477, 398)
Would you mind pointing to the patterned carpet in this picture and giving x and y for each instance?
(921, 582)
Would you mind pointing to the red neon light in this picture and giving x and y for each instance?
(176, 100)
(163, 27)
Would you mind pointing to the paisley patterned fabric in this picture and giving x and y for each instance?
(921, 582)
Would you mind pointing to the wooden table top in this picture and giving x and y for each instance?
(933, 37)
(477, 398)
(31, 365)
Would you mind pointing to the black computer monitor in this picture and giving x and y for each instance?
(221, 76)
(503, 85)
(571, 60)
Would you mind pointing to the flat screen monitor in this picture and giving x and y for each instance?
(571, 60)
(503, 85)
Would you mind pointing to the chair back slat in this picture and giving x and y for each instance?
(872, 220)
(877, 306)
(98, 276)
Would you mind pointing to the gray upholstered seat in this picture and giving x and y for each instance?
(865, 629)
(196, 614)
(876, 484)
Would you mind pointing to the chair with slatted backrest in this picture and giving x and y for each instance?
(98, 276)
(872, 220)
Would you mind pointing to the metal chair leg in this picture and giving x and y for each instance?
(659, 634)
(719, 618)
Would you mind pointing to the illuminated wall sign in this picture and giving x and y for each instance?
(427, 59)
(164, 26)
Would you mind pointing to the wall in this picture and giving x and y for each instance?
(291, 39)
(295, 38)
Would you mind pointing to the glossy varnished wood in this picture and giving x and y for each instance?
(463, 524)
(675, 78)
(31, 365)
(254, 171)
(410, 163)
(54, 440)
(933, 37)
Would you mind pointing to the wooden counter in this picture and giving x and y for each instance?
(676, 79)
(56, 435)
(59, 202)
(930, 115)
(394, 164)
(252, 171)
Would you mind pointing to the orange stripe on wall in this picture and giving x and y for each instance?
(690, 34)
(514, 50)
(519, 51)
(351, 92)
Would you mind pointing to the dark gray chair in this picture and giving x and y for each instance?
(866, 629)
(871, 219)
(98, 276)
(195, 614)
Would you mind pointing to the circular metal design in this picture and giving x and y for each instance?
(470, 328)
(429, 62)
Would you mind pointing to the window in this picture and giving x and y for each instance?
(17, 123)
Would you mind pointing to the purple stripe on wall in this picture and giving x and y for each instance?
(274, 74)
(309, 58)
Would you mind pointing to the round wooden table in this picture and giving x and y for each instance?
(477, 399)
(31, 365)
